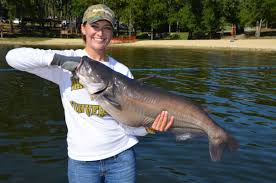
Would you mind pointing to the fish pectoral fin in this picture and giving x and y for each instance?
(113, 101)
(182, 134)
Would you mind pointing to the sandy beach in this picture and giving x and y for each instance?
(225, 44)
(243, 44)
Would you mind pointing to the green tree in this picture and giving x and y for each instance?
(230, 10)
(127, 15)
(139, 16)
(11, 6)
(211, 18)
(256, 12)
(191, 18)
(172, 12)
(155, 14)
(121, 10)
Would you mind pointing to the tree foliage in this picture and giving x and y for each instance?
(256, 10)
(230, 10)
(199, 17)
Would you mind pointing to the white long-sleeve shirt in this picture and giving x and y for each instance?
(92, 133)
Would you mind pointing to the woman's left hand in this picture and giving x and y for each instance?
(161, 122)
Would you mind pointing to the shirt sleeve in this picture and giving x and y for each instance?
(28, 58)
(37, 61)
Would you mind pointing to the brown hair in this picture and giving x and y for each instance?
(82, 35)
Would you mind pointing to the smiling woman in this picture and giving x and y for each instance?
(99, 147)
(97, 29)
(97, 36)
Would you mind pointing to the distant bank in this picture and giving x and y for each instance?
(225, 44)
(243, 44)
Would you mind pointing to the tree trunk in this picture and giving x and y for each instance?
(151, 35)
(1, 33)
(117, 27)
(190, 35)
(170, 28)
(130, 29)
(257, 33)
(258, 28)
(11, 26)
(130, 26)
(76, 25)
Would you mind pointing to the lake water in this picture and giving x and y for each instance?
(239, 88)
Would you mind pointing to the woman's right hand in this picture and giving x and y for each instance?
(66, 62)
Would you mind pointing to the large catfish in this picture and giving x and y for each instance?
(135, 104)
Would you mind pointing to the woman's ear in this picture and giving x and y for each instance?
(83, 29)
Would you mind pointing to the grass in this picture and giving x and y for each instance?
(179, 35)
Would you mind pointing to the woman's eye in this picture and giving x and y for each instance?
(94, 26)
(108, 28)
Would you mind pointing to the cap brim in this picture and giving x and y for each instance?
(98, 19)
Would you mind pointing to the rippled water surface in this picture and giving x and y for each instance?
(237, 87)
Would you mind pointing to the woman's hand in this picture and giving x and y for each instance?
(66, 62)
(161, 123)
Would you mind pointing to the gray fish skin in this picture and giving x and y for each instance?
(135, 104)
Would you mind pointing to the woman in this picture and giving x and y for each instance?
(99, 148)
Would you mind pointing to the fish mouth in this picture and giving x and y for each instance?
(79, 65)
(77, 69)
(100, 91)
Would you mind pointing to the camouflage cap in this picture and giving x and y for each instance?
(99, 12)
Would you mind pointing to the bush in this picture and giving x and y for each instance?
(164, 36)
(143, 35)
(177, 36)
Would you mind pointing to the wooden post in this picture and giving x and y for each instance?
(1, 29)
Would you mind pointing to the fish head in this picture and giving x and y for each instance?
(93, 75)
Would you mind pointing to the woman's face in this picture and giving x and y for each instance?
(98, 34)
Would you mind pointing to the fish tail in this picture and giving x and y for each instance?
(218, 144)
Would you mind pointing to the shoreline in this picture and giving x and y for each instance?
(265, 45)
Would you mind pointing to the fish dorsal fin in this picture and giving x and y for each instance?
(142, 80)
